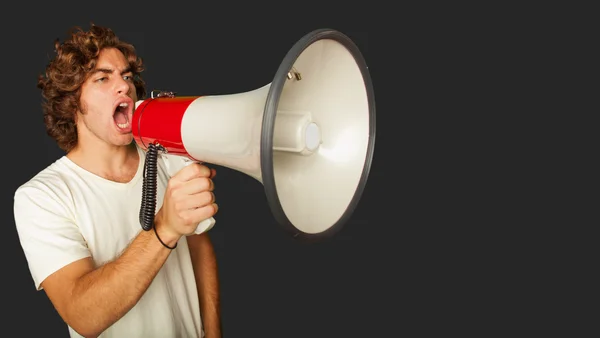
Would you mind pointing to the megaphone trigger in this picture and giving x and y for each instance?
(205, 225)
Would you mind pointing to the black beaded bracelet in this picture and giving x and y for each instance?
(161, 242)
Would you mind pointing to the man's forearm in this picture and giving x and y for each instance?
(106, 294)
(205, 269)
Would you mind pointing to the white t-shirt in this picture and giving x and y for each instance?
(66, 213)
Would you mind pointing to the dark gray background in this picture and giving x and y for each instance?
(438, 242)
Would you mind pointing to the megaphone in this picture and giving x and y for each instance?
(308, 136)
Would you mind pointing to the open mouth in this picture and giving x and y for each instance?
(121, 116)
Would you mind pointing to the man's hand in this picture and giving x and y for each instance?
(188, 200)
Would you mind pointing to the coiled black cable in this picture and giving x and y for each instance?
(148, 206)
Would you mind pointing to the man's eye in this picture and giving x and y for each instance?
(101, 79)
(128, 77)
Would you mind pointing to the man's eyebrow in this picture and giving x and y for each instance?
(110, 71)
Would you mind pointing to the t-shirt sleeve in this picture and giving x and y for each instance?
(48, 235)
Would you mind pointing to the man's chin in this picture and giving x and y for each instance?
(125, 139)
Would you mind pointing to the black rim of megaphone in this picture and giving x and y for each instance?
(268, 126)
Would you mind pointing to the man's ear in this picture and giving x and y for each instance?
(81, 109)
(76, 115)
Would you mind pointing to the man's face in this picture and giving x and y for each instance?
(108, 97)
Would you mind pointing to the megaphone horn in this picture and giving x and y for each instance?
(308, 136)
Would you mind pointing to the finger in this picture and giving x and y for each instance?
(192, 171)
(196, 201)
(202, 213)
(196, 185)
(203, 199)
(213, 173)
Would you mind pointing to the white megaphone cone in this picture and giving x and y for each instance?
(308, 136)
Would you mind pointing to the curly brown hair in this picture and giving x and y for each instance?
(61, 83)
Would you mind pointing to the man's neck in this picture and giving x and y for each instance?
(117, 164)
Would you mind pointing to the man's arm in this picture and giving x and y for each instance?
(90, 300)
(207, 281)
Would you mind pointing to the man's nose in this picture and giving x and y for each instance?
(123, 87)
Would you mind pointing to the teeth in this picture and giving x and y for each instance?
(126, 124)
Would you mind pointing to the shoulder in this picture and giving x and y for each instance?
(47, 187)
(53, 176)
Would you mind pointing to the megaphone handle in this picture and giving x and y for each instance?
(208, 223)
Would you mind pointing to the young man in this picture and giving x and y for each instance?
(78, 220)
